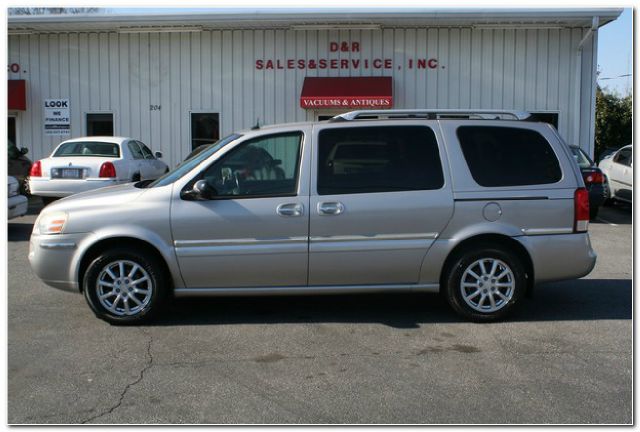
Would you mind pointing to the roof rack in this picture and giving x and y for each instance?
(432, 114)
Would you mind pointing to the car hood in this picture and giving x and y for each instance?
(104, 197)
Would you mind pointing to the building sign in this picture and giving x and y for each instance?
(57, 119)
(424, 63)
(347, 92)
(346, 102)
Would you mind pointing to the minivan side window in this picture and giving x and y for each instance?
(508, 156)
(261, 167)
(378, 159)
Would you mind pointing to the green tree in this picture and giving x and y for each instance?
(613, 121)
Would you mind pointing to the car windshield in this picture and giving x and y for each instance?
(192, 162)
(581, 157)
(88, 148)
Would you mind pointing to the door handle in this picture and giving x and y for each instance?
(290, 209)
(330, 208)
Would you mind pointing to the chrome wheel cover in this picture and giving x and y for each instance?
(487, 285)
(124, 288)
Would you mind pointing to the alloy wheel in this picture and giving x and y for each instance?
(124, 288)
(487, 285)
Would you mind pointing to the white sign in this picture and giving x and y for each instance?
(57, 119)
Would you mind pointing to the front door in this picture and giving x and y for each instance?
(254, 233)
(378, 203)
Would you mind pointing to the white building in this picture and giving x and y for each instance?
(175, 81)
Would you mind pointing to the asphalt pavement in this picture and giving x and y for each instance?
(564, 357)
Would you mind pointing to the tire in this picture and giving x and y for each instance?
(512, 288)
(608, 199)
(24, 187)
(135, 178)
(118, 308)
(48, 200)
(593, 212)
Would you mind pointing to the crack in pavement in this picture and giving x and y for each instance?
(129, 385)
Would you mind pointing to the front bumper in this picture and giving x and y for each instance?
(58, 188)
(52, 258)
(18, 206)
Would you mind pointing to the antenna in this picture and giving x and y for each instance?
(257, 126)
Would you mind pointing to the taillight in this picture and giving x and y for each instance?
(594, 177)
(107, 170)
(581, 210)
(36, 169)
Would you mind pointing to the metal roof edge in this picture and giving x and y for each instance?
(315, 15)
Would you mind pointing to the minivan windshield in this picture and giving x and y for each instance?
(192, 162)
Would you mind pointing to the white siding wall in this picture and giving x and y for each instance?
(214, 71)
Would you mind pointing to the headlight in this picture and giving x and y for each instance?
(51, 223)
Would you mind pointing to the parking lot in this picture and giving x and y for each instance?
(564, 357)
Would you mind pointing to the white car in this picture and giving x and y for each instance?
(87, 163)
(18, 204)
(618, 169)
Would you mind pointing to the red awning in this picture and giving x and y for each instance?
(17, 95)
(350, 92)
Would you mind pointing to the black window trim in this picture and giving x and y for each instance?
(298, 170)
(316, 156)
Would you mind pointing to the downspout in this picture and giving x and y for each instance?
(595, 22)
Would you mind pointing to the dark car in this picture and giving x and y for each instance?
(593, 180)
(18, 165)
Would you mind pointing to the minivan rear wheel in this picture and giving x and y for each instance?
(485, 283)
(124, 286)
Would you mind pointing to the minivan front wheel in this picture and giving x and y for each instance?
(484, 284)
(125, 287)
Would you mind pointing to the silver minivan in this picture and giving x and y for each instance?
(478, 206)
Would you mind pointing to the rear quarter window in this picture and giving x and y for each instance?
(507, 156)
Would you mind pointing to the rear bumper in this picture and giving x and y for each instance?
(18, 206)
(59, 188)
(559, 257)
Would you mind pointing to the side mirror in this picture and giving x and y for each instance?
(24, 150)
(200, 191)
(158, 155)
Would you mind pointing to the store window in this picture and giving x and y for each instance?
(100, 124)
(11, 129)
(205, 129)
